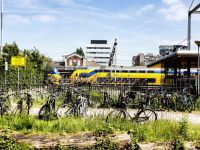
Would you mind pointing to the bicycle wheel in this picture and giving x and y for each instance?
(146, 114)
(116, 115)
(1, 110)
(44, 112)
(64, 110)
(6, 110)
(170, 104)
(81, 109)
(107, 102)
(26, 109)
(188, 107)
(16, 110)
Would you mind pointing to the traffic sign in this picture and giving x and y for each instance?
(18, 61)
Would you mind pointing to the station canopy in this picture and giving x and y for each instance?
(180, 59)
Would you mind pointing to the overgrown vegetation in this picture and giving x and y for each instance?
(33, 71)
(157, 131)
(166, 130)
(8, 143)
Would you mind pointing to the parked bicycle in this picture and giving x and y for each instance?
(185, 102)
(48, 110)
(121, 114)
(4, 104)
(167, 102)
(77, 108)
(24, 108)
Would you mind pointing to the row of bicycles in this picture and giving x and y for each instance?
(77, 101)
(174, 101)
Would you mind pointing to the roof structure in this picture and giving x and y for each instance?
(74, 54)
(91, 63)
(181, 58)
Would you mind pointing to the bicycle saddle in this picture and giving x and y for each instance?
(188, 94)
(53, 95)
(28, 94)
(75, 91)
(83, 94)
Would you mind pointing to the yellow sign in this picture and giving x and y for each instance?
(18, 61)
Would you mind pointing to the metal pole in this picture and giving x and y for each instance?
(5, 70)
(189, 29)
(115, 59)
(1, 26)
(31, 81)
(128, 82)
(121, 79)
(18, 79)
(198, 74)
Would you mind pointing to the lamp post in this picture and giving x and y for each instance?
(121, 77)
(6, 65)
(35, 82)
(198, 44)
(1, 27)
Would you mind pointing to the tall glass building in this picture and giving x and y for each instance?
(98, 51)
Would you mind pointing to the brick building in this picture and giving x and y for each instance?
(74, 59)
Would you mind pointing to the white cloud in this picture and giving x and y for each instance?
(65, 2)
(16, 19)
(72, 3)
(176, 11)
(43, 18)
(28, 4)
(170, 2)
(146, 8)
(122, 16)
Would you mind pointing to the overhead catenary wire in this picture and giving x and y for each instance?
(189, 40)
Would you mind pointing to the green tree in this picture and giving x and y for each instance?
(80, 51)
(142, 63)
(34, 65)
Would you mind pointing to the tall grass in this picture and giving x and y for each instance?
(161, 130)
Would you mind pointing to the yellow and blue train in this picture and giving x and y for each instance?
(152, 76)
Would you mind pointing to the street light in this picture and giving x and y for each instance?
(6, 65)
(1, 27)
(198, 44)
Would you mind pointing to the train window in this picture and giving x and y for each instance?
(117, 70)
(151, 80)
(125, 71)
(149, 71)
(106, 70)
(76, 74)
(96, 70)
(141, 71)
(133, 71)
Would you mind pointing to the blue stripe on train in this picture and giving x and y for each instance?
(137, 71)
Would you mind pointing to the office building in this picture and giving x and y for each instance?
(168, 49)
(143, 59)
(98, 51)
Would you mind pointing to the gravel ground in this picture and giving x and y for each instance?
(192, 117)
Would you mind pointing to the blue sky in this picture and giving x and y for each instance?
(58, 26)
